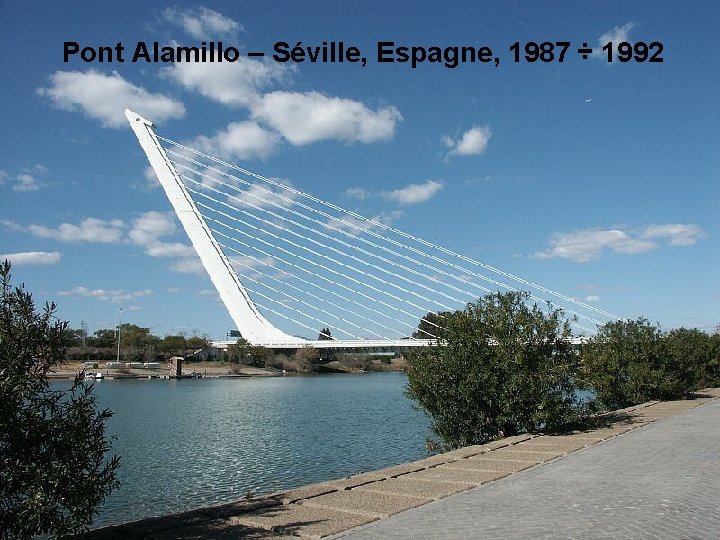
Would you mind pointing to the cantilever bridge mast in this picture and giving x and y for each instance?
(315, 264)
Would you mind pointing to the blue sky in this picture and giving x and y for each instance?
(598, 180)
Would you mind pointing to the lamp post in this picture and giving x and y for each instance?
(119, 316)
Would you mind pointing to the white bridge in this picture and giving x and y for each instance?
(314, 266)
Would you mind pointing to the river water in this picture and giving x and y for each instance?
(192, 443)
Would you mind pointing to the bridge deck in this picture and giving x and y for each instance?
(338, 344)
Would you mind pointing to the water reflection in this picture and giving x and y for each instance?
(186, 444)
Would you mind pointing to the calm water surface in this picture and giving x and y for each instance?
(191, 443)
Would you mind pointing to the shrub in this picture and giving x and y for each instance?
(53, 469)
(711, 374)
(630, 362)
(686, 359)
(500, 367)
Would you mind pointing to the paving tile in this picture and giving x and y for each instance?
(661, 481)
(366, 502)
(454, 473)
(219, 529)
(316, 490)
(524, 455)
(556, 445)
(492, 463)
(301, 520)
(429, 488)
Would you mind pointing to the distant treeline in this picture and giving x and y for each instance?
(136, 343)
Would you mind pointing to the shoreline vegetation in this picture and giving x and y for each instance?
(274, 367)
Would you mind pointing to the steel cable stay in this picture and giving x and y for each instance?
(335, 219)
(342, 253)
(368, 242)
(390, 240)
(400, 233)
(312, 283)
(315, 263)
(355, 247)
(320, 276)
(294, 287)
(346, 244)
(294, 299)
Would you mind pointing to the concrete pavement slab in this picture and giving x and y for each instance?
(430, 488)
(366, 503)
(300, 520)
(660, 481)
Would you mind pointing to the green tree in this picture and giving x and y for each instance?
(430, 324)
(629, 362)
(173, 344)
(105, 338)
(500, 367)
(53, 468)
(325, 334)
(685, 361)
(259, 355)
(238, 351)
(197, 342)
(306, 359)
(712, 370)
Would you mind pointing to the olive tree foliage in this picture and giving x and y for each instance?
(54, 471)
(500, 367)
(632, 361)
(711, 375)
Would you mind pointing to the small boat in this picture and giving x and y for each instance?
(99, 376)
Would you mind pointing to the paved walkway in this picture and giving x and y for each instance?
(662, 481)
(652, 472)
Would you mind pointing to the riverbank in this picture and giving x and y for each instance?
(332, 507)
(110, 371)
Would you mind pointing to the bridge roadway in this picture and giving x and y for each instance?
(652, 473)
(384, 344)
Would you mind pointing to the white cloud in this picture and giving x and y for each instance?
(26, 182)
(149, 183)
(202, 23)
(303, 118)
(115, 296)
(414, 193)
(355, 225)
(592, 298)
(617, 35)
(263, 195)
(242, 140)
(105, 97)
(356, 193)
(588, 244)
(149, 227)
(473, 142)
(32, 258)
(88, 230)
(242, 264)
(229, 83)
(208, 292)
(188, 266)
(677, 234)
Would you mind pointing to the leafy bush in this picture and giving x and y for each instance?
(686, 357)
(630, 362)
(501, 367)
(53, 469)
(711, 373)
